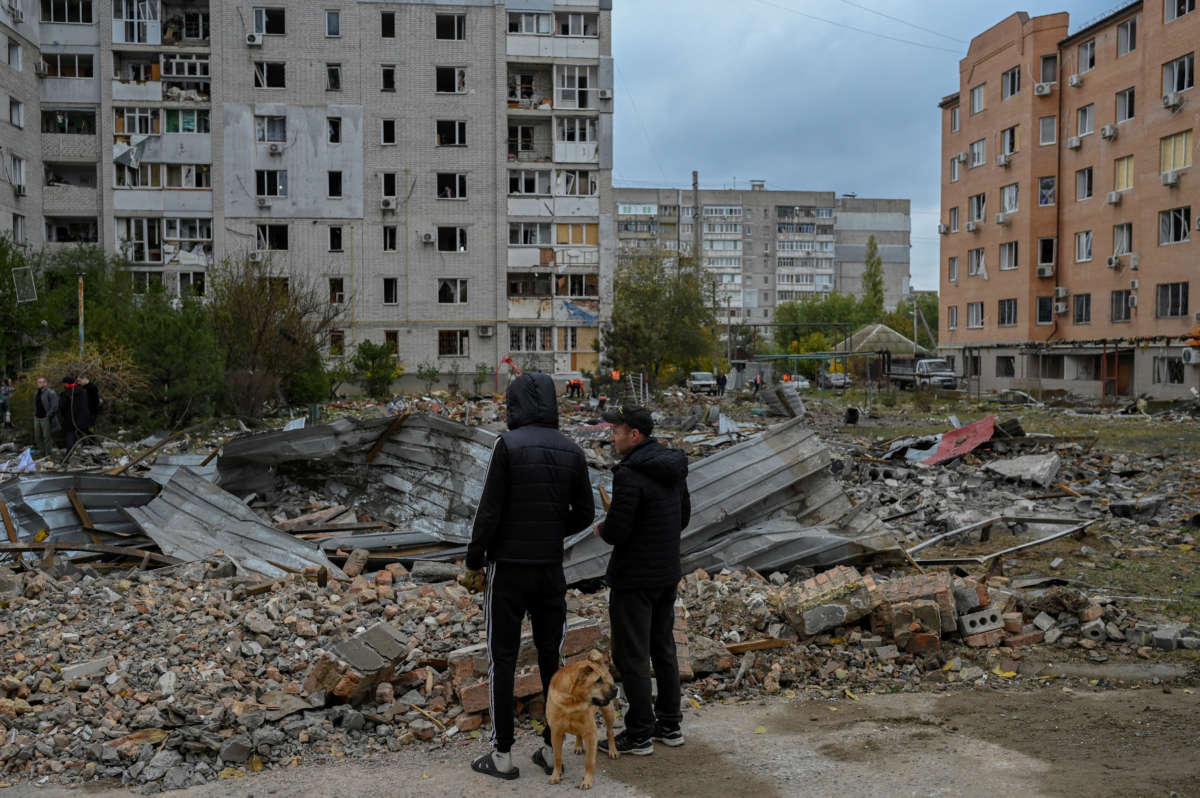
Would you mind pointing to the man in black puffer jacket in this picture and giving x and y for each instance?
(650, 508)
(536, 494)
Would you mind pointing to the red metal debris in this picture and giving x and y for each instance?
(962, 440)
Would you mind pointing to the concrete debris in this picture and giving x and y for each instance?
(1040, 469)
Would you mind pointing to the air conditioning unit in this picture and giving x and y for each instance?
(1113, 262)
(274, 149)
(1172, 100)
(1060, 292)
(428, 238)
(1003, 159)
(263, 202)
(1133, 261)
(1170, 178)
(972, 227)
(1074, 143)
(16, 11)
(1060, 308)
(1043, 89)
(1196, 316)
(604, 94)
(1131, 301)
(1108, 132)
(257, 257)
(1113, 198)
(486, 331)
(20, 189)
(961, 157)
(1191, 356)
(254, 39)
(945, 228)
(1075, 81)
(1002, 218)
(1045, 271)
(1133, 285)
(388, 203)
(39, 69)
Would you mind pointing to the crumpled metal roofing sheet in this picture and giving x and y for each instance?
(192, 518)
(41, 501)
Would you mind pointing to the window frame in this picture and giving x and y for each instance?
(1119, 311)
(458, 290)
(461, 346)
(1086, 63)
(260, 22)
(1010, 83)
(1085, 114)
(1085, 247)
(263, 71)
(1182, 70)
(981, 97)
(1053, 191)
(1006, 312)
(335, 15)
(1081, 309)
(1126, 103)
(975, 317)
(1170, 222)
(1171, 297)
(1085, 180)
(1127, 30)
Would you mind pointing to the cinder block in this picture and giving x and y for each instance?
(1045, 621)
(1094, 630)
(974, 623)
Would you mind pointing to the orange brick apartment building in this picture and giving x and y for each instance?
(1070, 248)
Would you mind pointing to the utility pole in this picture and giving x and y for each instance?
(79, 274)
(914, 301)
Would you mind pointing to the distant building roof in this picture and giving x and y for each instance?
(880, 338)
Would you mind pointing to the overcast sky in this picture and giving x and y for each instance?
(742, 89)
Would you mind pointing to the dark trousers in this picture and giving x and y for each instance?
(513, 590)
(643, 633)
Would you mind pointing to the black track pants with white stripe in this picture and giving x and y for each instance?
(514, 589)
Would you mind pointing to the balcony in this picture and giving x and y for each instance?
(183, 201)
(147, 91)
(542, 46)
(70, 147)
(67, 200)
(530, 87)
(577, 151)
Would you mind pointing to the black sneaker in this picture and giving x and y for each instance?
(629, 745)
(668, 735)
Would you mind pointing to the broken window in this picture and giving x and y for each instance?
(146, 282)
(975, 314)
(578, 183)
(389, 240)
(1083, 183)
(1173, 225)
(180, 120)
(450, 80)
(1010, 83)
(1006, 366)
(1049, 69)
(269, 21)
(388, 77)
(528, 284)
(450, 26)
(1087, 56)
(68, 11)
(1175, 151)
(1045, 309)
(1083, 246)
(451, 133)
(138, 239)
(976, 262)
(337, 291)
(520, 139)
(337, 342)
(196, 25)
(387, 131)
(272, 236)
(1168, 371)
(333, 77)
(1125, 104)
(68, 65)
(388, 184)
(581, 285)
(529, 234)
(335, 185)
(578, 24)
(526, 181)
(191, 283)
(189, 176)
(1047, 251)
(1008, 140)
(144, 175)
(575, 86)
(452, 291)
(387, 24)
(978, 207)
(452, 343)
(72, 230)
(1046, 191)
(577, 128)
(1009, 198)
(270, 182)
(452, 239)
(136, 120)
(391, 290)
(451, 185)
(187, 229)
(391, 340)
(1009, 255)
(81, 123)
(269, 75)
(270, 128)
(530, 23)
(1120, 305)
(1122, 238)
(1174, 9)
(581, 234)
(1083, 308)
(133, 18)
(333, 129)
(1180, 74)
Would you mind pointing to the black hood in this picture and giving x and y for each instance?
(531, 399)
(663, 465)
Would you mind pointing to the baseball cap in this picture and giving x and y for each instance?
(631, 415)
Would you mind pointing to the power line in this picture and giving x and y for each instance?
(857, 30)
(641, 122)
(904, 22)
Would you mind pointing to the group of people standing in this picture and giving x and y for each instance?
(74, 409)
(536, 494)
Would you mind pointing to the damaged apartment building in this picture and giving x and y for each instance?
(442, 171)
(764, 247)
(1069, 206)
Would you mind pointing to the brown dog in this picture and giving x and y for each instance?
(575, 692)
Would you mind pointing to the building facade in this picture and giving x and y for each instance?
(1068, 204)
(442, 171)
(764, 246)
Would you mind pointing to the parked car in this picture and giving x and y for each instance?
(801, 382)
(702, 382)
(835, 379)
(924, 373)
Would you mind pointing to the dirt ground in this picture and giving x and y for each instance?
(1050, 742)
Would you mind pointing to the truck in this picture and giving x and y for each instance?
(933, 372)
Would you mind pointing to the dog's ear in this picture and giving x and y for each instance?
(584, 674)
(596, 656)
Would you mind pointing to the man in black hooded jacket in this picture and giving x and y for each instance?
(536, 494)
(650, 508)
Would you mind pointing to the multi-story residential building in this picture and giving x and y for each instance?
(765, 246)
(20, 144)
(440, 170)
(1068, 203)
